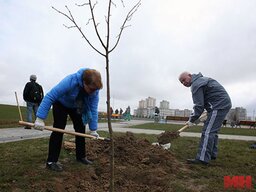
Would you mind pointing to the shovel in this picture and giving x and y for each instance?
(165, 137)
(64, 131)
(186, 126)
(21, 122)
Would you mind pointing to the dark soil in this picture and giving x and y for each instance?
(167, 137)
(139, 167)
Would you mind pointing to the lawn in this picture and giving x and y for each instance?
(23, 165)
(9, 116)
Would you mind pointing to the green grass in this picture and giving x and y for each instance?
(9, 116)
(23, 165)
(197, 129)
(235, 158)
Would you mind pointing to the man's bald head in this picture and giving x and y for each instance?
(185, 78)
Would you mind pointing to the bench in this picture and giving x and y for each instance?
(176, 118)
(103, 115)
(252, 124)
(115, 116)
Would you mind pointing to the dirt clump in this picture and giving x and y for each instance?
(139, 166)
(167, 137)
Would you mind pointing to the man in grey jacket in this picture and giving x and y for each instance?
(209, 95)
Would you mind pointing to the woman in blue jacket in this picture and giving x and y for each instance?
(209, 95)
(77, 95)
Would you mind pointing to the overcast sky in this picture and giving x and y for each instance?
(165, 38)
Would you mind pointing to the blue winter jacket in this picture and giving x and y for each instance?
(66, 92)
(207, 94)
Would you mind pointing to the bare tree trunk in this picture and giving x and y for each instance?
(112, 161)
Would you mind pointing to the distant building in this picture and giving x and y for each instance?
(164, 109)
(167, 112)
(187, 112)
(178, 112)
(237, 114)
(146, 108)
(141, 112)
(142, 104)
(164, 104)
(150, 102)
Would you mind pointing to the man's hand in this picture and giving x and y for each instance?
(190, 124)
(197, 121)
(39, 124)
(94, 133)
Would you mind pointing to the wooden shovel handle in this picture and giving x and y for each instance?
(186, 126)
(181, 129)
(64, 131)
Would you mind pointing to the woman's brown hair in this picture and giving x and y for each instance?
(92, 78)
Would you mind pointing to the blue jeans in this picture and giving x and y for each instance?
(31, 107)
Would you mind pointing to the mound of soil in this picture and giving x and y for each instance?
(139, 166)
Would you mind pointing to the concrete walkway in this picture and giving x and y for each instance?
(17, 134)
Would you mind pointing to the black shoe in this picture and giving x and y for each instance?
(213, 158)
(84, 161)
(27, 127)
(196, 161)
(54, 166)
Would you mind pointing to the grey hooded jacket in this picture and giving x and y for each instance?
(207, 94)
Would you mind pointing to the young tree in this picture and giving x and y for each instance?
(107, 49)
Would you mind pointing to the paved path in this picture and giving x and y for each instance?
(17, 134)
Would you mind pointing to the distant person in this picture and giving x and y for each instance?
(127, 114)
(121, 111)
(156, 118)
(157, 111)
(116, 113)
(33, 94)
(224, 123)
(77, 95)
(207, 94)
(111, 110)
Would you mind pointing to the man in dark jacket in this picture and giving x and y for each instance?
(210, 95)
(33, 95)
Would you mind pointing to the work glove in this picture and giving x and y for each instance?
(39, 124)
(197, 121)
(190, 124)
(94, 133)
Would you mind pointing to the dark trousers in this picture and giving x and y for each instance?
(60, 114)
(208, 147)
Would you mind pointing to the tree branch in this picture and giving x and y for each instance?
(128, 18)
(71, 18)
(81, 5)
(94, 23)
(108, 25)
